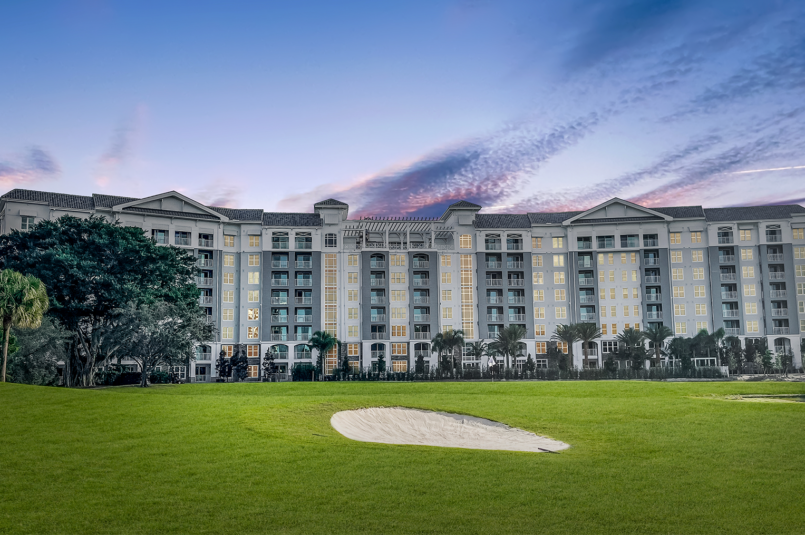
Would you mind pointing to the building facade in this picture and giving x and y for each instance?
(386, 286)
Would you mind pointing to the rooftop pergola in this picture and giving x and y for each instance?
(397, 233)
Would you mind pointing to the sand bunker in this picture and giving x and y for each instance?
(399, 425)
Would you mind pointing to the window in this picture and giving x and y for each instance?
(447, 295)
(229, 278)
(352, 313)
(746, 254)
(623, 258)
(558, 243)
(605, 242)
(539, 329)
(604, 329)
(679, 291)
(447, 260)
(801, 323)
(603, 312)
(28, 222)
(397, 278)
(447, 278)
(541, 348)
(559, 295)
(352, 295)
(539, 295)
(799, 233)
(626, 311)
(624, 275)
(447, 313)
(466, 277)
(677, 274)
(633, 258)
(399, 313)
(399, 330)
(397, 295)
(749, 290)
(254, 241)
(611, 258)
(701, 326)
(800, 288)
(799, 270)
(352, 260)
(701, 309)
(254, 296)
(252, 332)
(698, 274)
(697, 256)
(330, 240)
(681, 328)
(613, 311)
(612, 293)
(254, 277)
(228, 350)
(799, 253)
(601, 276)
(601, 258)
(627, 325)
(397, 259)
(745, 235)
(254, 259)
(676, 237)
(399, 349)
(612, 276)
(447, 329)
(539, 313)
(229, 241)
(635, 310)
(801, 305)
(676, 257)
(558, 260)
(626, 293)
(752, 327)
(353, 350)
(562, 346)
(698, 291)
(352, 331)
(536, 243)
(559, 277)
(228, 296)
(602, 293)
(750, 308)
(352, 277)
(748, 272)
(253, 351)
(536, 260)
(227, 333)
(679, 310)
(229, 260)
(228, 314)
(635, 293)
(537, 276)
(253, 314)
(695, 237)
(465, 241)
(466, 261)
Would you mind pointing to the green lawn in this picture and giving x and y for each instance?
(255, 458)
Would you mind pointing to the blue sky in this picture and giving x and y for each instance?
(400, 108)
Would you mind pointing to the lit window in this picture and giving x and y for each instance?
(697, 256)
(701, 326)
(253, 314)
(750, 308)
(539, 295)
(229, 260)
(353, 350)
(698, 274)
(601, 276)
(799, 253)
(626, 293)
(698, 291)
(624, 275)
(399, 330)
(676, 237)
(746, 235)
(465, 241)
(746, 254)
(559, 277)
(228, 350)
(254, 241)
(626, 311)
(229, 278)
(352, 295)
(612, 276)
(799, 270)
(537, 276)
(561, 312)
(447, 313)
(601, 259)
(603, 328)
(252, 332)
(614, 330)
(748, 272)
(558, 243)
(352, 277)
(229, 241)
(254, 296)
(800, 288)
(539, 313)
(536, 243)
(536, 260)
(701, 309)
(227, 333)
(752, 327)
(695, 237)
(399, 313)
(635, 293)
(252, 351)
(799, 234)
(612, 293)
(539, 329)
(602, 293)
(681, 328)
(611, 258)
(254, 277)
(559, 295)
(749, 290)
(352, 260)
(541, 348)
(801, 305)
(677, 274)
(228, 296)
(447, 295)
(558, 260)
(352, 313)
(447, 260)
(397, 295)
(676, 257)
(228, 314)
(352, 331)
(399, 349)
(603, 312)
(562, 346)
(623, 258)
(679, 310)
(447, 278)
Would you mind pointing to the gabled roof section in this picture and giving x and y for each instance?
(520, 221)
(550, 218)
(681, 212)
(170, 213)
(108, 201)
(206, 210)
(645, 212)
(753, 213)
(331, 203)
(287, 219)
(54, 200)
(464, 204)
(240, 214)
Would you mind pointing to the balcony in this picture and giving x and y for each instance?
(304, 245)
(516, 282)
(377, 300)
(421, 264)
(730, 313)
(307, 318)
(422, 317)
(649, 242)
(279, 282)
(514, 265)
(421, 300)
(304, 264)
(516, 300)
(779, 312)
(729, 276)
(204, 281)
(651, 261)
(774, 238)
(494, 299)
(725, 239)
(210, 319)
(379, 336)
(778, 294)
(378, 354)
(775, 257)
(425, 335)
(205, 300)
(587, 299)
(279, 300)
(378, 318)
(495, 318)
(589, 317)
(586, 281)
(654, 315)
(304, 282)
(514, 246)
(726, 259)
(204, 356)
(377, 264)
(493, 246)
(653, 298)
(280, 264)
(279, 244)
(517, 317)
(652, 279)
(281, 318)
(781, 330)
(494, 282)
(423, 354)
(279, 337)
(729, 331)
(729, 295)
(204, 243)
(282, 355)
(777, 275)
(303, 300)
(584, 244)
(377, 282)
(204, 262)
(494, 265)
(585, 263)
(418, 283)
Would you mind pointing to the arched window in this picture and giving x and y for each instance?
(301, 352)
(377, 261)
(203, 353)
(782, 345)
(421, 261)
(378, 350)
(280, 351)
(330, 240)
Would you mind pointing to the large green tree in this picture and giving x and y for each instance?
(587, 333)
(453, 341)
(91, 268)
(567, 334)
(23, 303)
(322, 342)
(38, 353)
(630, 342)
(657, 335)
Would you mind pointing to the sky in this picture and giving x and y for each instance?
(401, 108)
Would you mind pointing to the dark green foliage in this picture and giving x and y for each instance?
(419, 366)
(610, 365)
(223, 367)
(530, 365)
(239, 363)
(381, 363)
(269, 368)
(345, 367)
(39, 351)
(302, 372)
(160, 377)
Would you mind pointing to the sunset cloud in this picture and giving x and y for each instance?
(33, 165)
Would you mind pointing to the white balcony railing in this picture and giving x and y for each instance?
(729, 295)
(304, 282)
(422, 335)
(279, 282)
(280, 264)
(494, 299)
(494, 265)
(726, 259)
(279, 337)
(378, 354)
(653, 298)
(649, 242)
(377, 264)
(302, 337)
(585, 264)
(514, 265)
(421, 300)
(210, 319)
(421, 264)
(586, 281)
(421, 282)
(781, 330)
(204, 281)
(587, 317)
(379, 336)
(304, 245)
(774, 238)
(279, 318)
(306, 318)
(654, 315)
(494, 282)
(495, 317)
(652, 279)
(517, 317)
(516, 282)
(730, 313)
(304, 264)
(587, 299)
(725, 239)
(772, 257)
(777, 294)
(204, 262)
(204, 243)
(516, 300)
(729, 276)
(515, 246)
(777, 275)
(778, 312)
(279, 300)
(493, 247)
(378, 318)
(651, 261)
(731, 331)
(303, 300)
(377, 300)
(205, 300)
(377, 282)
(422, 317)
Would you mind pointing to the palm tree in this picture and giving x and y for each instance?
(437, 346)
(657, 335)
(478, 350)
(508, 342)
(567, 334)
(23, 303)
(587, 332)
(633, 340)
(322, 341)
(453, 340)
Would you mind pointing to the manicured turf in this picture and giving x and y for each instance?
(256, 458)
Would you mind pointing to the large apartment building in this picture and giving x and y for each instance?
(387, 285)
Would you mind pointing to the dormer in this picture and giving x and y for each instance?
(331, 211)
(463, 211)
(616, 210)
(172, 204)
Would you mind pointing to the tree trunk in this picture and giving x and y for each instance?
(585, 355)
(144, 378)
(6, 336)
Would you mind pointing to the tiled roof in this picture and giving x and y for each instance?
(240, 214)
(464, 204)
(542, 218)
(287, 219)
(502, 221)
(619, 219)
(170, 213)
(681, 212)
(753, 213)
(55, 200)
(330, 202)
(108, 201)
